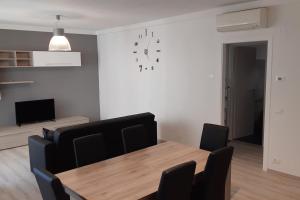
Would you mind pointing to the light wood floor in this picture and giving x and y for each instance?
(16, 180)
(249, 182)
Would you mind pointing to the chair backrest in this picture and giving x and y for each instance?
(89, 149)
(135, 138)
(111, 129)
(214, 137)
(176, 182)
(215, 174)
(50, 186)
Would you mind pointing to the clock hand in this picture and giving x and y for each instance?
(148, 47)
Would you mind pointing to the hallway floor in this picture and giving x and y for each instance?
(252, 139)
(250, 182)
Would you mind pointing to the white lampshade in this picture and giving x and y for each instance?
(59, 42)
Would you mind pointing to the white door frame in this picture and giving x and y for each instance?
(254, 36)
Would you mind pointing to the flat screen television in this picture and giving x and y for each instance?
(34, 111)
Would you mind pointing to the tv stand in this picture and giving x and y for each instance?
(20, 124)
(15, 136)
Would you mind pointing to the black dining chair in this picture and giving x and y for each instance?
(134, 138)
(176, 182)
(50, 186)
(214, 137)
(210, 184)
(89, 149)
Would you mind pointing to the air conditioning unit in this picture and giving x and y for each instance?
(242, 20)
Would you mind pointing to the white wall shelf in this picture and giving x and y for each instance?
(16, 59)
(56, 59)
(15, 67)
(15, 82)
(9, 58)
(27, 59)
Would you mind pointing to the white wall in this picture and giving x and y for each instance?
(285, 95)
(179, 91)
(186, 89)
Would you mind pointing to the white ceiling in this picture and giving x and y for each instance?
(98, 14)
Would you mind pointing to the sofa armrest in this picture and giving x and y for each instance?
(154, 129)
(41, 153)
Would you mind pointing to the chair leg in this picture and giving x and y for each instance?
(228, 185)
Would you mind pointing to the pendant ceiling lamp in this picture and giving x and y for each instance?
(59, 42)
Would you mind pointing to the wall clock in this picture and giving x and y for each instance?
(147, 51)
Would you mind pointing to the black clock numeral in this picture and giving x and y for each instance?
(152, 68)
(157, 60)
(158, 41)
(136, 44)
(158, 51)
(135, 52)
(146, 32)
(141, 68)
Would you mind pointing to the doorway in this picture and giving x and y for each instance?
(244, 90)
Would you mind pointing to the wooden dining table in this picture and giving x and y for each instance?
(133, 176)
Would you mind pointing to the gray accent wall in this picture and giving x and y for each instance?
(75, 89)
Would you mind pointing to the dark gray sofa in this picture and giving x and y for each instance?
(58, 155)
